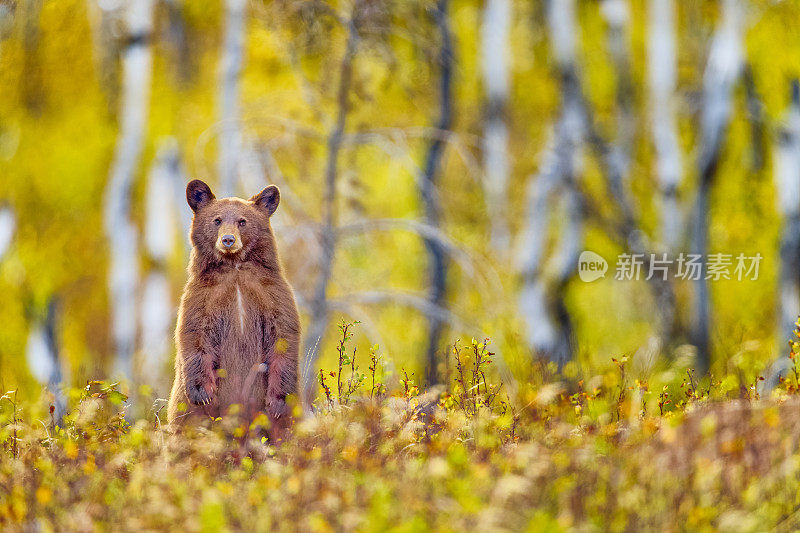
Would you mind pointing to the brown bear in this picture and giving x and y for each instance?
(238, 327)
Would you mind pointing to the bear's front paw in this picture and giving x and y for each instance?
(278, 409)
(198, 394)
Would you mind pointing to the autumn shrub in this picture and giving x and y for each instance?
(608, 452)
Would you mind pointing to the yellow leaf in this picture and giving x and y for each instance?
(43, 495)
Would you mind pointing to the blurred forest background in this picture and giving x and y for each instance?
(442, 164)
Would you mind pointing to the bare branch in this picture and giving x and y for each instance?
(394, 142)
(408, 299)
(425, 231)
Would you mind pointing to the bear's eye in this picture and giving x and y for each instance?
(217, 221)
(242, 222)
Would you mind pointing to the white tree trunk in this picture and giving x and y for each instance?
(230, 67)
(8, 223)
(786, 157)
(173, 168)
(42, 355)
(561, 27)
(41, 350)
(157, 312)
(787, 182)
(120, 230)
(617, 16)
(160, 217)
(725, 62)
(251, 171)
(531, 254)
(721, 74)
(495, 65)
(661, 66)
(549, 331)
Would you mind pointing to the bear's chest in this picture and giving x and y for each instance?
(238, 308)
(240, 311)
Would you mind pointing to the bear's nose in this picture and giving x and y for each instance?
(228, 240)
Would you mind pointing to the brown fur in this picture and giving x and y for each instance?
(237, 313)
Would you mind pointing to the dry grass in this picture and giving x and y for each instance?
(616, 457)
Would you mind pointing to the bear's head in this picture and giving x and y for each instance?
(231, 228)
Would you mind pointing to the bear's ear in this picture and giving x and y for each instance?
(268, 199)
(198, 194)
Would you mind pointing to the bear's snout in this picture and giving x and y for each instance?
(229, 241)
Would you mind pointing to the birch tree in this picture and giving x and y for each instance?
(786, 157)
(541, 300)
(787, 183)
(8, 224)
(661, 66)
(437, 259)
(105, 18)
(615, 159)
(42, 347)
(618, 156)
(120, 229)
(157, 309)
(722, 71)
(43, 357)
(230, 67)
(495, 59)
(176, 37)
(319, 304)
(542, 305)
